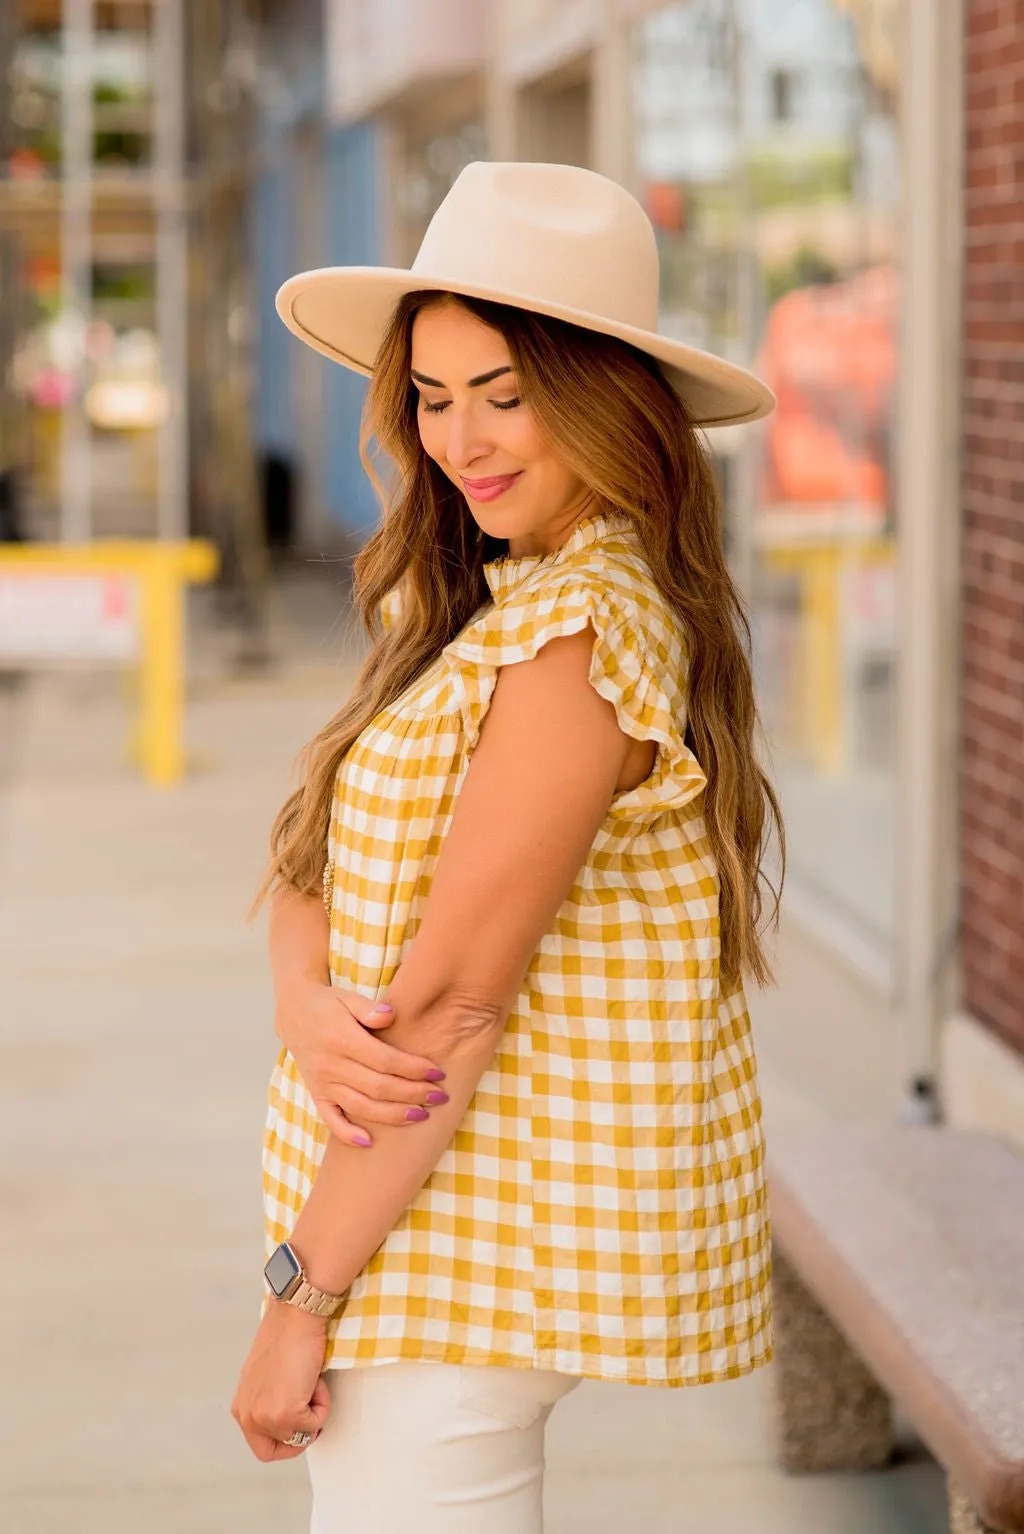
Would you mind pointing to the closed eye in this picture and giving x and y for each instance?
(496, 404)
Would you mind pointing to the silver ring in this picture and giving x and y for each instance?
(299, 1439)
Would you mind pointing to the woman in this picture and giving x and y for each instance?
(542, 818)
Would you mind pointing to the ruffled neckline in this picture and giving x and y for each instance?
(506, 572)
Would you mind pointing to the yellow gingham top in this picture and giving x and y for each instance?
(602, 1208)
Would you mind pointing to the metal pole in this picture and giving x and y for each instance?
(76, 263)
(611, 124)
(171, 264)
(928, 480)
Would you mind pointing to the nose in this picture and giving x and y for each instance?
(465, 445)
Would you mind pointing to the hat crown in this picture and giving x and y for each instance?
(555, 234)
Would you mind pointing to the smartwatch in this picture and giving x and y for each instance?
(289, 1284)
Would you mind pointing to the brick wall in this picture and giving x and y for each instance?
(992, 782)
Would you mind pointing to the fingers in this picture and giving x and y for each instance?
(313, 1418)
(349, 1116)
(372, 1014)
(278, 1429)
(269, 1449)
(339, 1126)
(393, 1089)
(282, 1426)
(268, 1440)
(264, 1445)
(383, 1057)
(357, 1106)
(389, 1060)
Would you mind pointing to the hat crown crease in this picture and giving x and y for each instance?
(568, 237)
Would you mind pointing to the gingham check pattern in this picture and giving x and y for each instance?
(602, 1209)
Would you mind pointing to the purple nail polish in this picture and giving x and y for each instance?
(435, 1075)
(361, 1140)
(417, 1115)
(437, 1098)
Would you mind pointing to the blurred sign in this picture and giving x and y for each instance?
(666, 205)
(868, 597)
(77, 616)
(115, 600)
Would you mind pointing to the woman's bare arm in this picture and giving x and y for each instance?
(299, 935)
(538, 787)
(356, 1080)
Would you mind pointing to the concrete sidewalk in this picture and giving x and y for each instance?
(137, 1040)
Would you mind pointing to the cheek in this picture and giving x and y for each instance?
(518, 435)
(532, 450)
(556, 482)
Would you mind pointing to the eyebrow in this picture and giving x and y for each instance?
(474, 383)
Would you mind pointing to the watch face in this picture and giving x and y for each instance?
(281, 1271)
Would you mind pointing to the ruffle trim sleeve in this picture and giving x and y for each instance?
(638, 664)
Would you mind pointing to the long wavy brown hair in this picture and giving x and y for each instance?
(636, 450)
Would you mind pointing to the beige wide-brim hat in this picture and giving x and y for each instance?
(554, 239)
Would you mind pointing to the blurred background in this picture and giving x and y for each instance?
(837, 190)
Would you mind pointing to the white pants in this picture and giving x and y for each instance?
(433, 1449)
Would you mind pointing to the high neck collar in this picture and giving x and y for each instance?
(506, 572)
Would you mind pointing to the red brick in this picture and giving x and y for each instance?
(992, 564)
(983, 16)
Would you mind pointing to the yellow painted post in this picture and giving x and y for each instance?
(820, 566)
(824, 658)
(161, 743)
(819, 647)
(162, 568)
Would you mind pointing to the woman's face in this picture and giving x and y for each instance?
(487, 440)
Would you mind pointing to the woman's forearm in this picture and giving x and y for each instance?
(359, 1195)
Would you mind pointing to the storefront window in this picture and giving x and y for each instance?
(100, 352)
(767, 157)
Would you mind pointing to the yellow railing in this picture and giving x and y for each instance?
(161, 569)
(819, 566)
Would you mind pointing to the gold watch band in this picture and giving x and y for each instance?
(316, 1302)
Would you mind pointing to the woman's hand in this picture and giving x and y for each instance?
(280, 1391)
(354, 1078)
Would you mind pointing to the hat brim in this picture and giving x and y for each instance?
(343, 313)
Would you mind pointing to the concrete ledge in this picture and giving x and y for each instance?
(901, 1235)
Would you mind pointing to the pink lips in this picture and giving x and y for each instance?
(489, 489)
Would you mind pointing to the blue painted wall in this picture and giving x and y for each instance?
(352, 240)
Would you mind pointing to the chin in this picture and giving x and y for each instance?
(496, 522)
